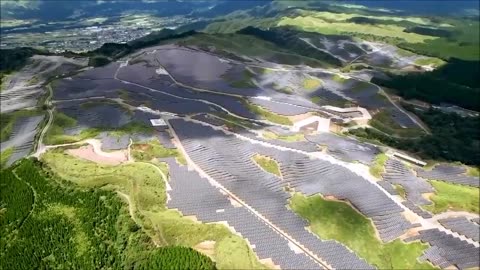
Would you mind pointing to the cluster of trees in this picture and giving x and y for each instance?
(176, 257)
(17, 198)
(455, 83)
(453, 138)
(285, 37)
(428, 31)
(14, 59)
(50, 223)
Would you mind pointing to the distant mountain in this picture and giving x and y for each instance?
(46, 10)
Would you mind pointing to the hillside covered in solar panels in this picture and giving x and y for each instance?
(290, 135)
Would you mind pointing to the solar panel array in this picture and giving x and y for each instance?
(228, 160)
(110, 142)
(311, 176)
(462, 226)
(388, 187)
(397, 173)
(449, 173)
(416, 209)
(209, 119)
(345, 148)
(98, 115)
(193, 195)
(449, 250)
(22, 137)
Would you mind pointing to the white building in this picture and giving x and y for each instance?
(158, 122)
(313, 123)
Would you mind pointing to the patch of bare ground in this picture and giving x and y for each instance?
(193, 218)
(206, 247)
(410, 216)
(234, 202)
(269, 263)
(411, 232)
(427, 195)
(299, 117)
(87, 152)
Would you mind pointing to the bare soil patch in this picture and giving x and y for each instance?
(87, 152)
(206, 247)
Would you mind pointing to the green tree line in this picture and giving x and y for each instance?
(455, 83)
(453, 138)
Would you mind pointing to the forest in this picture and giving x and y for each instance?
(455, 83)
(48, 223)
(287, 38)
(453, 138)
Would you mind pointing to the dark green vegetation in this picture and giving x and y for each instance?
(453, 138)
(429, 31)
(233, 44)
(455, 83)
(460, 41)
(175, 258)
(113, 51)
(289, 39)
(339, 221)
(97, 61)
(50, 223)
(15, 59)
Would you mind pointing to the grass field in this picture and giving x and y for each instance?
(4, 156)
(339, 221)
(453, 197)
(400, 190)
(321, 24)
(429, 61)
(378, 165)
(268, 115)
(330, 16)
(286, 90)
(473, 171)
(311, 83)
(288, 138)
(150, 150)
(463, 42)
(339, 79)
(233, 121)
(146, 189)
(267, 164)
